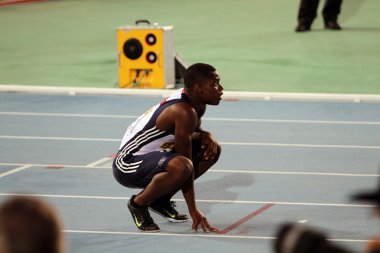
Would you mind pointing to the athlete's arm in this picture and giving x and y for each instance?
(185, 121)
(209, 145)
(185, 125)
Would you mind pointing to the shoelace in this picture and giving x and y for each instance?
(171, 206)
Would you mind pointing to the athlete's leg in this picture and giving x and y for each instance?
(164, 206)
(157, 173)
(200, 167)
(178, 170)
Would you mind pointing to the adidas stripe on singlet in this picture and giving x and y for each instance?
(143, 137)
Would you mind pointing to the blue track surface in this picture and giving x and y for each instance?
(306, 158)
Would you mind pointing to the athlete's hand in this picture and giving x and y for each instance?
(209, 146)
(200, 220)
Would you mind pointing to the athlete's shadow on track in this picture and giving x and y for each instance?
(225, 188)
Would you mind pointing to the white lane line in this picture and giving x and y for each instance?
(296, 173)
(115, 116)
(100, 161)
(248, 202)
(334, 122)
(74, 115)
(204, 235)
(13, 171)
(50, 165)
(55, 138)
(168, 234)
(298, 145)
(266, 96)
(20, 137)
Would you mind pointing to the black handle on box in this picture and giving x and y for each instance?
(142, 21)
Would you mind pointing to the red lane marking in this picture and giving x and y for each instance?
(231, 99)
(245, 219)
(19, 2)
(54, 167)
(112, 156)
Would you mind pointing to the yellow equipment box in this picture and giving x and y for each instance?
(145, 56)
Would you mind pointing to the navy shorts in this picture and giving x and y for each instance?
(137, 171)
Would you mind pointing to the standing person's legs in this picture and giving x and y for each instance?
(330, 13)
(307, 11)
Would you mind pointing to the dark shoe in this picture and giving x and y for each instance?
(168, 211)
(332, 25)
(142, 218)
(302, 28)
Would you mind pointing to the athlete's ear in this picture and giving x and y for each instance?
(198, 88)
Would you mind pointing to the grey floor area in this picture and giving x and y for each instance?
(302, 160)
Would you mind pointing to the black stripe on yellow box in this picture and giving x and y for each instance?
(145, 57)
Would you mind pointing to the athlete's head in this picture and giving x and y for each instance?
(197, 74)
(204, 80)
(29, 225)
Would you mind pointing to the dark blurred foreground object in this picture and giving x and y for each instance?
(296, 238)
(308, 12)
(371, 197)
(29, 225)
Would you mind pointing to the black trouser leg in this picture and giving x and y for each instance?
(307, 11)
(331, 10)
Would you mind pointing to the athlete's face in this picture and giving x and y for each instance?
(212, 90)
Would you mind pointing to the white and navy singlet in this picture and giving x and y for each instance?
(143, 137)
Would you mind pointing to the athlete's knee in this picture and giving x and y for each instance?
(215, 158)
(181, 167)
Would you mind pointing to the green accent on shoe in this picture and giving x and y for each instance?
(168, 211)
(142, 219)
(138, 224)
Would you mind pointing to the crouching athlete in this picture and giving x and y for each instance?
(165, 150)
